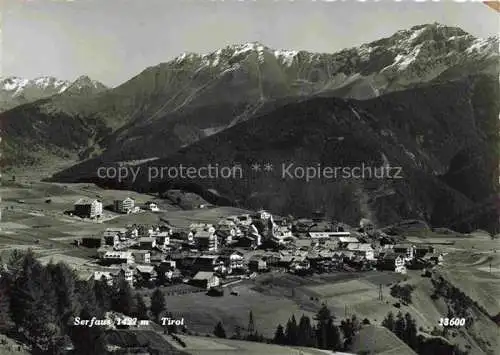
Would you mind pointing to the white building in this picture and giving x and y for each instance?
(118, 257)
(162, 238)
(363, 249)
(407, 250)
(124, 205)
(193, 227)
(142, 256)
(153, 207)
(88, 208)
(206, 279)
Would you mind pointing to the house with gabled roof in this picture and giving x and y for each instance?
(88, 208)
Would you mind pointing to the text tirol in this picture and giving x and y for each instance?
(170, 321)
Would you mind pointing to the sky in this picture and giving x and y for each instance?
(114, 40)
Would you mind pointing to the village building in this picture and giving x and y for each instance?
(393, 262)
(257, 263)
(246, 241)
(435, 258)
(343, 241)
(407, 250)
(117, 257)
(206, 280)
(286, 259)
(282, 232)
(88, 208)
(147, 243)
(225, 237)
(142, 256)
(120, 232)
(125, 205)
(422, 250)
(91, 242)
(195, 227)
(162, 238)
(322, 235)
(272, 259)
(362, 249)
(244, 220)
(232, 259)
(206, 240)
(262, 215)
(105, 276)
(206, 263)
(132, 232)
(151, 206)
(102, 251)
(170, 264)
(125, 273)
(146, 273)
(111, 240)
(228, 227)
(347, 256)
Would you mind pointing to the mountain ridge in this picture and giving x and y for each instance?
(15, 91)
(186, 99)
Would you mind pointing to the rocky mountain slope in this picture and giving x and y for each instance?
(175, 104)
(15, 91)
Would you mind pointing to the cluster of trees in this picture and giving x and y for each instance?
(319, 332)
(251, 333)
(405, 328)
(459, 304)
(402, 292)
(39, 304)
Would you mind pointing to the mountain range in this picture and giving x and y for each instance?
(15, 91)
(422, 99)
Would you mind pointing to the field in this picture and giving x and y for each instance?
(29, 221)
(201, 312)
(216, 346)
(378, 340)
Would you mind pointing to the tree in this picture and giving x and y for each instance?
(158, 304)
(305, 332)
(399, 326)
(349, 328)
(237, 332)
(291, 331)
(219, 331)
(279, 335)
(389, 322)
(86, 298)
(16, 260)
(103, 294)
(324, 320)
(5, 319)
(141, 310)
(334, 341)
(87, 340)
(64, 287)
(251, 324)
(33, 304)
(123, 299)
(410, 336)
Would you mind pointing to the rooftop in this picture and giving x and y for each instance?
(203, 275)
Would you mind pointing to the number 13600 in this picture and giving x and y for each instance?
(452, 322)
